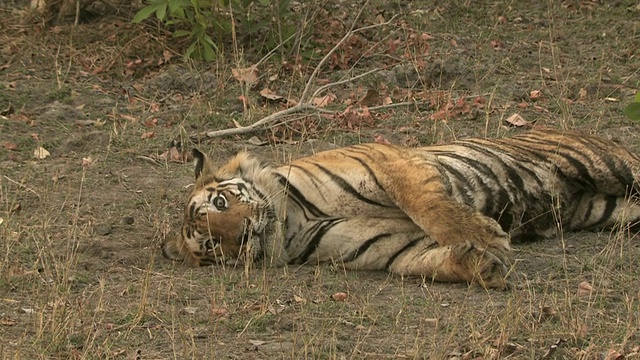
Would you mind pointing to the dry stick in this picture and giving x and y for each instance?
(304, 104)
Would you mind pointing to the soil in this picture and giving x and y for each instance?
(81, 272)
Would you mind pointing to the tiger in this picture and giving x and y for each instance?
(446, 212)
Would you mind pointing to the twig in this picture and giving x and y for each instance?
(304, 102)
(21, 185)
(324, 87)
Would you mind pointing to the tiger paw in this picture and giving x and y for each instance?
(481, 266)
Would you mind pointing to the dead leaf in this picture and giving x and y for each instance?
(584, 288)
(323, 101)
(518, 121)
(535, 94)
(254, 140)
(40, 153)
(247, 75)
(257, 342)
(245, 101)
(8, 145)
(7, 322)
(370, 98)
(387, 100)
(218, 312)
(190, 310)
(582, 94)
(270, 95)
(86, 162)
(151, 122)
(339, 296)
(147, 135)
(131, 118)
(380, 139)
(299, 299)
(613, 355)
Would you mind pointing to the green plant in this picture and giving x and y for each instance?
(202, 21)
(633, 109)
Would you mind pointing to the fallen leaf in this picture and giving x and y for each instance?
(174, 155)
(613, 355)
(218, 312)
(40, 153)
(254, 140)
(8, 145)
(257, 342)
(88, 161)
(190, 310)
(518, 121)
(147, 135)
(582, 94)
(129, 118)
(28, 310)
(370, 98)
(245, 101)
(323, 101)
(270, 95)
(339, 296)
(387, 100)
(247, 75)
(535, 94)
(380, 139)
(7, 322)
(151, 122)
(584, 288)
(299, 299)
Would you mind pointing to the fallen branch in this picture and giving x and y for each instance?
(305, 103)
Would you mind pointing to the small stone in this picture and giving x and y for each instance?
(103, 229)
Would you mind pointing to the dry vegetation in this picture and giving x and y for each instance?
(81, 275)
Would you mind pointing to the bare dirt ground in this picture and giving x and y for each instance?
(81, 274)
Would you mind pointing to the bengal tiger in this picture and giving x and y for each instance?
(445, 212)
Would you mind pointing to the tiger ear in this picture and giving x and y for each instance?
(202, 163)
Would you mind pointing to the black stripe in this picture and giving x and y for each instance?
(612, 203)
(192, 211)
(569, 154)
(313, 178)
(345, 186)
(369, 171)
(363, 248)
(315, 240)
(300, 199)
(303, 235)
(461, 179)
(405, 248)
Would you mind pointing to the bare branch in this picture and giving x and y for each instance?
(305, 104)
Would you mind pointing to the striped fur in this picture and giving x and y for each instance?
(446, 212)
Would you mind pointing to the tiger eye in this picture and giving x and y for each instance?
(219, 202)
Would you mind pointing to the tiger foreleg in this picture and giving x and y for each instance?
(462, 262)
(424, 198)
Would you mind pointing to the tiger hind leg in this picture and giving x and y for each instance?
(461, 262)
(598, 211)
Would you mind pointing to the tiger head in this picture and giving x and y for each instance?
(226, 218)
